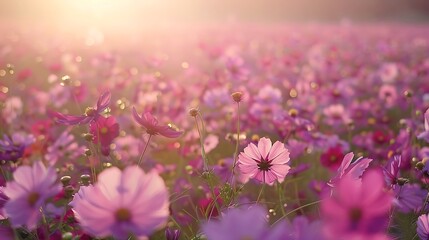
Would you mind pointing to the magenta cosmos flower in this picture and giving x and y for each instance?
(105, 130)
(357, 208)
(90, 115)
(28, 193)
(265, 162)
(122, 203)
(152, 128)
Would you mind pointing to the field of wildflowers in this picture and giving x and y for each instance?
(283, 133)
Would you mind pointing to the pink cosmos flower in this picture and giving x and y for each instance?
(64, 147)
(127, 147)
(3, 201)
(122, 203)
(425, 135)
(388, 94)
(12, 108)
(28, 193)
(152, 128)
(355, 169)
(91, 114)
(105, 130)
(336, 114)
(357, 208)
(265, 162)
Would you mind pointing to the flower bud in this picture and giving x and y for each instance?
(68, 191)
(193, 112)
(67, 236)
(88, 152)
(172, 234)
(85, 178)
(65, 180)
(408, 94)
(88, 137)
(237, 96)
(420, 165)
(402, 181)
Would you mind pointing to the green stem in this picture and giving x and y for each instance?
(260, 193)
(144, 150)
(280, 191)
(297, 209)
(203, 151)
(237, 143)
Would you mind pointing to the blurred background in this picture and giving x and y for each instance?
(148, 12)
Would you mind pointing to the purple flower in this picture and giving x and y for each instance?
(6, 233)
(409, 197)
(266, 163)
(423, 226)
(12, 148)
(172, 234)
(235, 223)
(91, 114)
(302, 229)
(152, 128)
(28, 193)
(122, 203)
(391, 173)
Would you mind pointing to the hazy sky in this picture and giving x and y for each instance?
(215, 10)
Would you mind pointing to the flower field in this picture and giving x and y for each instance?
(286, 132)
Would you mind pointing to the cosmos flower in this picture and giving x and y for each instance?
(235, 223)
(12, 108)
(425, 135)
(104, 130)
(127, 147)
(347, 168)
(64, 147)
(332, 158)
(122, 203)
(388, 94)
(3, 201)
(423, 226)
(302, 229)
(13, 148)
(336, 114)
(409, 198)
(266, 163)
(28, 193)
(172, 234)
(91, 114)
(150, 123)
(357, 208)
(391, 173)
